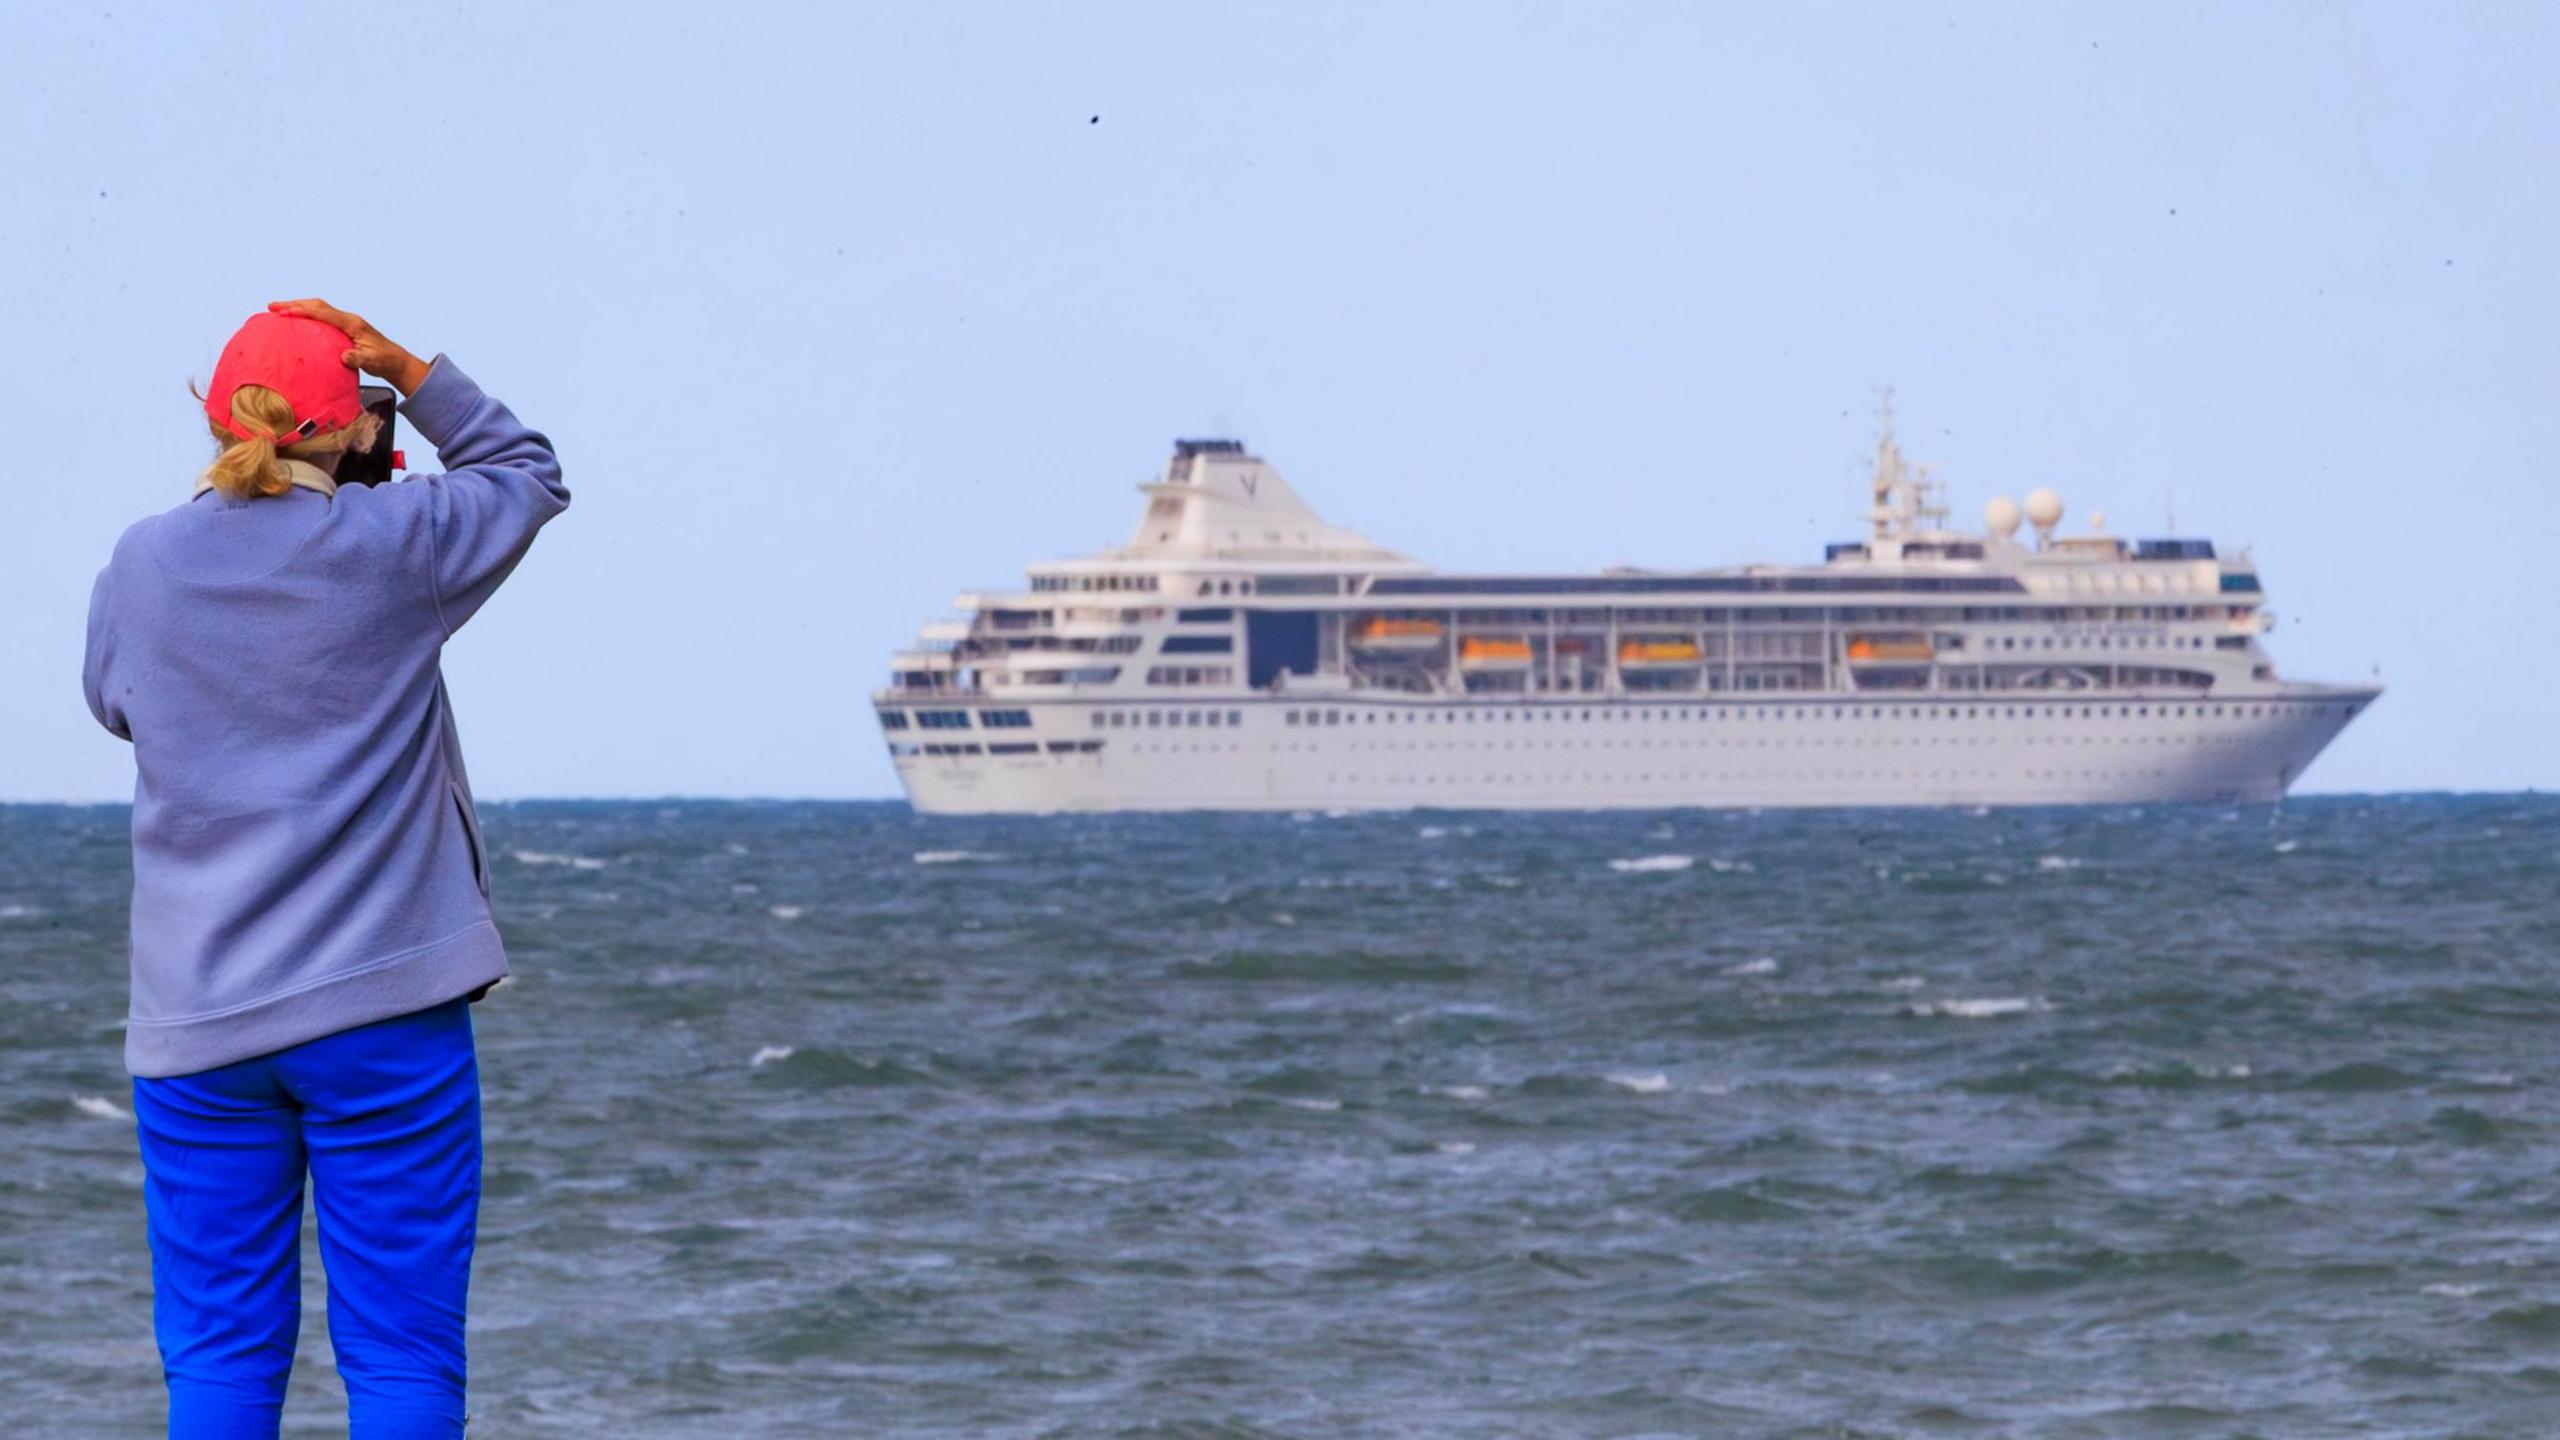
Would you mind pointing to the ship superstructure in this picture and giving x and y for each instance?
(1240, 653)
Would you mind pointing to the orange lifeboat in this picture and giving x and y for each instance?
(1890, 650)
(1484, 653)
(1395, 634)
(1639, 653)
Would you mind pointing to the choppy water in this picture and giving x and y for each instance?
(823, 1119)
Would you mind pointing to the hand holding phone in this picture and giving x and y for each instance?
(373, 464)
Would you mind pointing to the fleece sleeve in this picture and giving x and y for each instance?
(503, 485)
(93, 665)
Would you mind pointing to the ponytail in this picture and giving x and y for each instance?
(247, 469)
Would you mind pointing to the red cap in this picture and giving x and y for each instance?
(297, 358)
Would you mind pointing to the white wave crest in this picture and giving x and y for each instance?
(955, 857)
(547, 857)
(1653, 1084)
(785, 912)
(19, 912)
(1454, 1147)
(1652, 864)
(99, 1107)
(1765, 965)
(768, 1055)
(1987, 1008)
(2056, 862)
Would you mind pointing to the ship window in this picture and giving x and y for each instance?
(943, 719)
(1020, 747)
(1288, 717)
(893, 719)
(1118, 719)
(1154, 718)
(1333, 717)
(1097, 719)
(1005, 719)
(1216, 719)
(1235, 717)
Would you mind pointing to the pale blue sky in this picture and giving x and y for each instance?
(836, 311)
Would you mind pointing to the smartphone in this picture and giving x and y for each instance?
(374, 466)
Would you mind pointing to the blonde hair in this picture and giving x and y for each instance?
(247, 469)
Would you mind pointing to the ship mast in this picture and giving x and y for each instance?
(1904, 499)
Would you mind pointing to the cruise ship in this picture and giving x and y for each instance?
(1239, 653)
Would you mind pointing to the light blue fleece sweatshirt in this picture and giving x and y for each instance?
(306, 858)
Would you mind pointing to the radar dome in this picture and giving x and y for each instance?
(2000, 517)
(2044, 509)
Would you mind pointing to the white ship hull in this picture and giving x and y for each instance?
(1363, 753)
(1241, 654)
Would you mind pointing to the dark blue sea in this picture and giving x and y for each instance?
(823, 1119)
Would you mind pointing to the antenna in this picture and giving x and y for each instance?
(1894, 498)
(1904, 500)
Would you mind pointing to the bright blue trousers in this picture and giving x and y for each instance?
(386, 1120)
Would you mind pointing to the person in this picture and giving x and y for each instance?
(310, 889)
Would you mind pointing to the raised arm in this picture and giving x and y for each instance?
(504, 480)
(503, 485)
